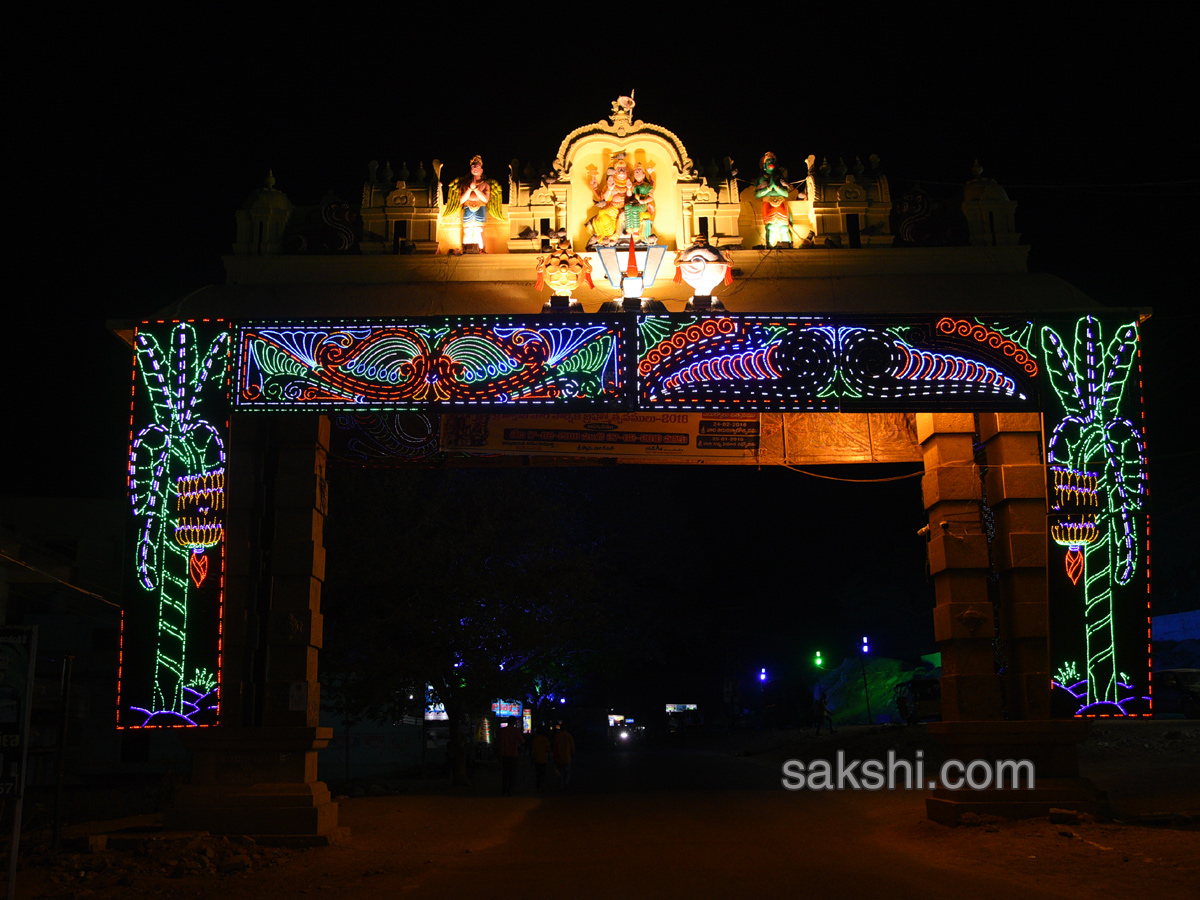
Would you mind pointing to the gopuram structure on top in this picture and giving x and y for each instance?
(625, 307)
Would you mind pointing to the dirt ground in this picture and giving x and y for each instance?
(430, 840)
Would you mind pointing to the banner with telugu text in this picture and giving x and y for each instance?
(650, 437)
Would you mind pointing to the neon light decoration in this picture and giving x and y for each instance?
(754, 363)
(984, 335)
(395, 364)
(170, 647)
(1096, 458)
(794, 363)
(381, 439)
(1067, 679)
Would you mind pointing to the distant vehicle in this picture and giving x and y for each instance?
(626, 735)
(1177, 693)
(919, 699)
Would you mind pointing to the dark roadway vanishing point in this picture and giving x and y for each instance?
(672, 823)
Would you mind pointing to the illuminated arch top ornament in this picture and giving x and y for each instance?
(621, 125)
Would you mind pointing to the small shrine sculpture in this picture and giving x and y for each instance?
(475, 198)
(625, 203)
(562, 269)
(702, 268)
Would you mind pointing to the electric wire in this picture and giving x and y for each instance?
(74, 587)
(855, 480)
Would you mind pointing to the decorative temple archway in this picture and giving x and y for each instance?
(1028, 425)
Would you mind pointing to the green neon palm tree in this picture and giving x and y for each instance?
(1098, 463)
(178, 448)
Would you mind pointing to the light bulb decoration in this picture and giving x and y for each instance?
(982, 334)
(379, 365)
(757, 363)
(562, 270)
(797, 363)
(170, 658)
(632, 270)
(703, 268)
(1097, 466)
(384, 439)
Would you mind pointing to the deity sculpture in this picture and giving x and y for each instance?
(477, 199)
(703, 267)
(776, 214)
(639, 208)
(610, 201)
(563, 269)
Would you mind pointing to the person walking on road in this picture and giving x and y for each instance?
(510, 743)
(823, 716)
(564, 752)
(539, 749)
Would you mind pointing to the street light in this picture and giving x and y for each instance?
(817, 660)
(866, 648)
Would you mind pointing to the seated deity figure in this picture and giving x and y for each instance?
(639, 208)
(476, 198)
(610, 201)
(776, 214)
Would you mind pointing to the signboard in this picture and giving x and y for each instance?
(648, 437)
(18, 651)
(435, 711)
(507, 709)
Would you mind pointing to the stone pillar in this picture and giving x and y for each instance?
(963, 620)
(978, 721)
(1016, 492)
(257, 772)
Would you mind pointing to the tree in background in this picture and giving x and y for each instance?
(476, 582)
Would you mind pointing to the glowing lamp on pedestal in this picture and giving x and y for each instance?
(703, 268)
(562, 269)
(633, 271)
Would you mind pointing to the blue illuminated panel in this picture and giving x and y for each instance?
(369, 365)
(793, 363)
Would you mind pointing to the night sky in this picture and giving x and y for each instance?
(138, 151)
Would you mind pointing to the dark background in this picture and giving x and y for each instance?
(138, 140)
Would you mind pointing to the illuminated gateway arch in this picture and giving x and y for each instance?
(624, 305)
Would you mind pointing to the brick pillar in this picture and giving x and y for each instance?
(292, 696)
(1016, 492)
(963, 620)
(973, 709)
(257, 772)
